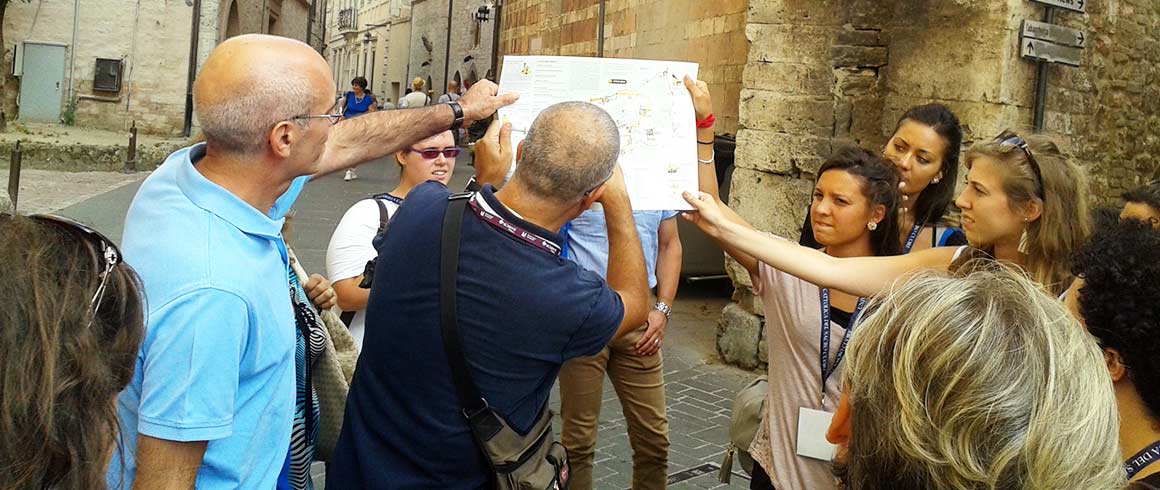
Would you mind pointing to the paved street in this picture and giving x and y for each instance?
(699, 388)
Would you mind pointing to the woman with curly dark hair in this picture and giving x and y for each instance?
(71, 324)
(1119, 301)
(1143, 204)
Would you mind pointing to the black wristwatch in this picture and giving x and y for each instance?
(455, 107)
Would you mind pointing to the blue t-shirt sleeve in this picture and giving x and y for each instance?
(191, 361)
(286, 200)
(605, 312)
(666, 215)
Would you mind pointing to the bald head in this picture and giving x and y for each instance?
(251, 82)
(571, 148)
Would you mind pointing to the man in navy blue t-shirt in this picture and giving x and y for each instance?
(523, 310)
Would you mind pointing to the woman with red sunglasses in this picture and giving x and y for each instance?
(350, 246)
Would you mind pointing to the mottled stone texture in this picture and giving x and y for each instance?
(429, 28)
(821, 73)
(710, 33)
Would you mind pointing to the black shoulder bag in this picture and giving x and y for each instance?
(347, 317)
(532, 461)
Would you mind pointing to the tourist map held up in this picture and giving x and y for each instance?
(648, 101)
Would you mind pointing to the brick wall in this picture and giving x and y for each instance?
(708, 33)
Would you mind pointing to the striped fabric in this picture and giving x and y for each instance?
(301, 452)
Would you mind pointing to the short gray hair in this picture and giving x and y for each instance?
(571, 148)
(241, 124)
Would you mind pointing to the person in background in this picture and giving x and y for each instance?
(356, 102)
(415, 97)
(350, 246)
(452, 92)
(925, 148)
(1143, 204)
(977, 380)
(72, 322)
(1118, 300)
(387, 104)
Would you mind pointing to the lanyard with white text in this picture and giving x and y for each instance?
(515, 231)
(913, 236)
(1142, 459)
(825, 354)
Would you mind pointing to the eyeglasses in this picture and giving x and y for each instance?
(431, 154)
(1008, 139)
(333, 118)
(108, 250)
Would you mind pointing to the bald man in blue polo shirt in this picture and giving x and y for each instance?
(212, 398)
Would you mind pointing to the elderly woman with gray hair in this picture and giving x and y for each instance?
(980, 381)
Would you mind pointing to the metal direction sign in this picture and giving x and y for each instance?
(1054, 53)
(1053, 33)
(1074, 5)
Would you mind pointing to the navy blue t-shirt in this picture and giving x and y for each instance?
(522, 313)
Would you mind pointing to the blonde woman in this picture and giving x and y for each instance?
(981, 381)
(1025, 204)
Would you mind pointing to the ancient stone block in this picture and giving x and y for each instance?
(797, 12)
(772, 111)
(739, 337)
(773, 203)
(748, 301)
(850, 36)
(781, 153)
(789, 78)
(789, 43)
(858, 56)
(853, 81)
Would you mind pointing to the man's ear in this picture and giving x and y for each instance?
(280, 138)
(520, 151)
(1115, 364)
(839, 431)
(592, 197)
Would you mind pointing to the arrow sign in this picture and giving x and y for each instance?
(1073, 5)
(1053, 33)
(1035, 49)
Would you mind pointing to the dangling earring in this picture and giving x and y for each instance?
(936, 179)
(1024, 242)
(872, 226)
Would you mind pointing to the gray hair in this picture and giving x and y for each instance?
(571, 148)
(241, 124)
(981, 381)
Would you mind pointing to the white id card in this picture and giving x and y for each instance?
(811, 434)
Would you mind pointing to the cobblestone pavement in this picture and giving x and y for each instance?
(699, 389)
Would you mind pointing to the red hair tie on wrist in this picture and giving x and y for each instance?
(707, 122)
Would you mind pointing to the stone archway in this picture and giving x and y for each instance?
(233, 21)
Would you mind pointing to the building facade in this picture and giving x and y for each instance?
(369, 38)
(467, 58)
(130, 65)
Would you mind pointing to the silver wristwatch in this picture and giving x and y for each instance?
(663, 307)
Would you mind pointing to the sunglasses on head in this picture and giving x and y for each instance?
(108, 251)
(431, 154)
(1009, 139)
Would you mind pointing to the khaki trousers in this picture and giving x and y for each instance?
(640, 386)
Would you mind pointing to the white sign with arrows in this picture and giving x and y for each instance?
(1053, 33)
(1050, 52)
(1074, 5)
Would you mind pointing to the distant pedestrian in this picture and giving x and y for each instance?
(356, 102)
(452, 93)
(416, 97)
(387, 104)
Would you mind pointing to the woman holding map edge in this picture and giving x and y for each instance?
(855, 213)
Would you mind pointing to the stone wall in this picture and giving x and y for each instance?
(470, 41)
(708, 33)
(821, 73)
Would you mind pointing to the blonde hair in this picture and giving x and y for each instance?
(1061, 191)
(418, 83)
(982, 381)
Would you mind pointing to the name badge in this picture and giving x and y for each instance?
(811, 434)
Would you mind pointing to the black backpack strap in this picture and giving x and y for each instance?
(469, 398)
(384, 217)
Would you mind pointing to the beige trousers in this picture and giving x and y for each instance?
(640, 386)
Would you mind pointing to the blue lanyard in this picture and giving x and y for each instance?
(387, 196)
(913, 236)
(825, 354)
(1142, 459)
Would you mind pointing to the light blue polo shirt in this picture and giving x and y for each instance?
(587, 237)
(217, 360)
